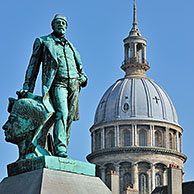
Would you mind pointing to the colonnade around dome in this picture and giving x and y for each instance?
(139, 152)
(152, 135)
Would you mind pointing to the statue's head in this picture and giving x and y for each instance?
(26, 115)
(59, 24)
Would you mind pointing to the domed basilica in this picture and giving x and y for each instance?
(136, 131)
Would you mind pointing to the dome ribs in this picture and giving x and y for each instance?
(118, 102)
(127, 97)
(133, 101)
(148, 97)
(161, 100)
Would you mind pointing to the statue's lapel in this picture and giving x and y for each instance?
(50, 44)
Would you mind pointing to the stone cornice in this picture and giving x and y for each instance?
(134, 69)
(119, 150)
(138, 122)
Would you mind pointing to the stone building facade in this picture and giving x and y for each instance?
(136, 131)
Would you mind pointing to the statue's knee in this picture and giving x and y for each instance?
(59, 116)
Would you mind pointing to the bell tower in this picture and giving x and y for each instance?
(135, 63)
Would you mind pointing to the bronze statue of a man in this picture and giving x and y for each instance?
(62, 77)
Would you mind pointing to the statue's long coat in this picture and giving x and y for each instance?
(44, 51)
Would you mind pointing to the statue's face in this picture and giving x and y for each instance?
(60, 27)
(16, 128)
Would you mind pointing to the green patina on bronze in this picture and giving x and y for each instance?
(51, 162)
(31, 117)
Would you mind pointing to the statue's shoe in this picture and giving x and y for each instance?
(61, 154)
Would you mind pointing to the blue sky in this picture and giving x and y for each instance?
(97, 30)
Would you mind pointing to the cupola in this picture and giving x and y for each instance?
(135, 63)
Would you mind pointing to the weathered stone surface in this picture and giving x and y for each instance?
(46, 181)
(51, 162)
(174, 180)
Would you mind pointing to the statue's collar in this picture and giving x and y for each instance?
(59, 40)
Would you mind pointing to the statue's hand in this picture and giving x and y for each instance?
(22, 93)
(82, 81)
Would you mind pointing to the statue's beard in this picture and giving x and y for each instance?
(59, 33)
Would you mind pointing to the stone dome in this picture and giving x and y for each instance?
(135, 98)
(136, 132)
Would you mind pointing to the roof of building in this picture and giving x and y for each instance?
(160, 190)
(135, 98)
(188, 188)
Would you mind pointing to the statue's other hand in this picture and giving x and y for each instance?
(22, 93)
(82, 81)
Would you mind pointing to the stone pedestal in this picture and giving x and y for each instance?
(52, 175)
(51, 162)
(47, 181)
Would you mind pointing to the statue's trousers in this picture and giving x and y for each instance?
(65, 97)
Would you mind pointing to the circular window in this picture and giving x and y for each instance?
(126, 107)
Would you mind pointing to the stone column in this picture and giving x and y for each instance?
(134, 49)
(103, 170)
(131, 50)
(102, 138)
(126, 52)
(117, 135)
(151, 139)
(135, 179)
(167, 138)
(180, 142)
(93, 141)
(152, 142)
(177, 141)
(153, 136)
(144, 54)
(164, 139)
(133, 135)
(152, 177)
(165, 177)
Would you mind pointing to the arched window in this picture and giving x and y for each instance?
(158, 139)
(110, 139)
(126, 181)
(143, 183)
(158, 178)
(127, 138)
(97, 140)
(170, 141)
(142, 138)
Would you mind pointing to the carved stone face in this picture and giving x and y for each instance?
(16, 128)
(59, 27)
